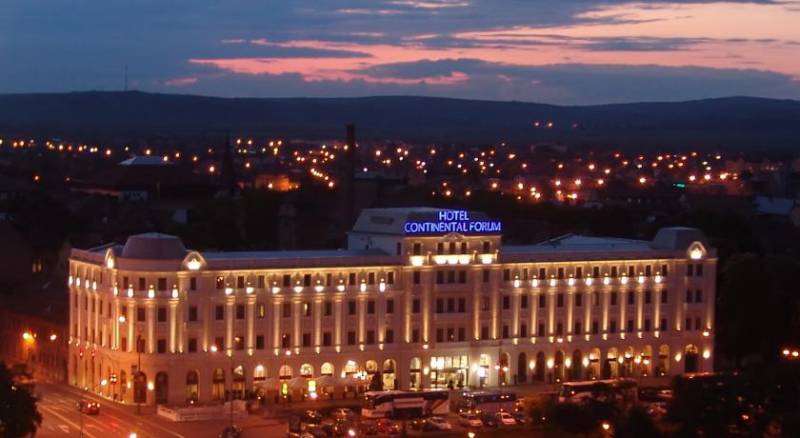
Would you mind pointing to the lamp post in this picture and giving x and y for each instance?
(229, 352)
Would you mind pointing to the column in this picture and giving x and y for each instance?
(131, 324)
(151, 327)
(251, 318)
(173, 325)
(230, 302)
(276, 323)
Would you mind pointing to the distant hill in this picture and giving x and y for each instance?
(735, 122)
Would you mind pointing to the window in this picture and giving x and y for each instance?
(614, 297)
(463, 247)
(140, 314)
(663, 325)
(416, 277)
(219, 342)
(596, 298)
(523, 302)
(192, 313)
(351, 279)
(439, 277)
(371, 278)
(307, 280)
(486, 275)
(351, 338)
(370, 307)
(260, 282)
(631, 271)
(219, 283)
(287, 280)
(578, 272)
(240, 311)
(161, 314)
(612, 326)
(559, 328)
(647, 325)
(560, 300)
(630, 325)
(506, 275)
(688, 324)
(193, 283)
(542, 274)
(261, 311)
(124, 344)
(698, 270)
(540, 329)
(614, 271)
(462, 334)
(595, 327)
(542, 301)
(306, 339)
(415, 335)
(440, 248)
(505, 332)
(487, 247)
(238, 342)
(326, 339)
(451, 305)
(390, 278)
(689, 296)
(259, 342)
(162, 346)
(192, 345)
(439, 305)
(698, 296)
(663, 297)
(240, 282)
(286, 340)
(142, 283)
(697, 324)
(351, 307)
(689, 270)
(286, 310)
(484, 332)
(648, 271)
(577, 329)
(578, 300)
(523, 330)
(631, 298)
(389, 306)
(462, 305)
(417, 248)
(415, 305)
(370, 337)
(560, 273)
(648, 296)
(506, 302)
(328, 308)
(596, 271)
(462, 277)
(219, 313)
(439, 335)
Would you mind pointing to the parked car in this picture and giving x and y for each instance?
(231, 432)
(368, 427)
(88, 407)
(506, 419)
(438, 423)
(468, 419)
(311, 416)
(343, 413)
(316, 431)
(387, 427)
(489, 420)
(521, 417)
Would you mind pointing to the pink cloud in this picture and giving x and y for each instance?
(181, 82)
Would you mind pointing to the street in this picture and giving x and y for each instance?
(62, 419)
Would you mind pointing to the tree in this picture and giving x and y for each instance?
(376, 384)
(636, 423)
(19, 415)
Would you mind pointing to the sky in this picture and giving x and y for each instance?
(571, 52)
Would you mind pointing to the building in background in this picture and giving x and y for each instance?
(426, 298)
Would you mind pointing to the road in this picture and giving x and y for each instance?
(61, 419)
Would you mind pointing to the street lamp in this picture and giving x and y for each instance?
(229, 352)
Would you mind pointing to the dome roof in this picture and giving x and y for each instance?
(153, 246)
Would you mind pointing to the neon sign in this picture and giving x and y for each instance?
(452, 221)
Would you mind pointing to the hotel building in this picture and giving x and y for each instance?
(428, 298)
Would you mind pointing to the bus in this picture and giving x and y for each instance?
(623, 392)
(490, 402)
(405, 404)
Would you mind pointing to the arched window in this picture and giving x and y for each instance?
(306, 370)
(350, 367)
(327, 369)
(372, 367)
(218, 384)
(192, 387)
(259, 373)
(285, 372)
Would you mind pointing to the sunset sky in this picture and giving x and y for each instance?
(554, 51)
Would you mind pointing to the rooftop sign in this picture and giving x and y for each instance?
(452, 221)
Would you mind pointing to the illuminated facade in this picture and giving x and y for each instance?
(423, 308)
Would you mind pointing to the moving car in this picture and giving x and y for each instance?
(387, 427)
(468, 419)
(343, 413)
(438, 423)
(311, 417)
(88, 407)
(506, 419)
